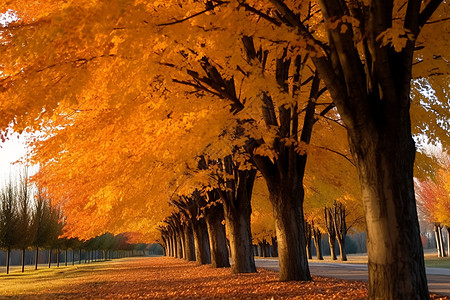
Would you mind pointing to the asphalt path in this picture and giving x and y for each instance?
(438, 278)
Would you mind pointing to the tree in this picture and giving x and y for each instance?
(356, 60)
(214, 215)
(9, 218)
(235, 190)
(40, 223)
(434, 200)
(24, 211)
(371, 90)
(317, 237)
(299, 268)
(329, 225)
(200, 232)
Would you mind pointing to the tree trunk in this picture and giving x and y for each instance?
(57, 257)
(79, 258)
(65, 258)
(189, 250)
(174, 244)
(239, 233)
(448, 240)
(317, 236)
(49, 257)
(167, 243)
(36, 258)
(202, 252)
(217, 237)
(23, 260)
(331, 230)
(342, 249)
(332, 242)
(289, 222)
(73, 256)
(165, 246)
(237, 211)
(441, 240)
(436, 237)
(261, 250)
(8, 258)
(340, 226)
(182, 238)
(179, 253)
(308, 233)
(395, 255)
(275, 247)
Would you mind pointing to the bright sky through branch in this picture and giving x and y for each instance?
(8, 17)
(11, 151)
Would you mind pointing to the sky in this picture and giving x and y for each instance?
(10, 151)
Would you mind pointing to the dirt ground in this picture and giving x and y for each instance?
(167, 278)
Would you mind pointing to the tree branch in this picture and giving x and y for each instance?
(338, 153)
(194, 15)
(428, 11)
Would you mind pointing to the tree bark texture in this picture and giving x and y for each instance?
(217, 237)
(189, 253)
(289, 220)
(237, 210)
(202, 251)
(396, 260)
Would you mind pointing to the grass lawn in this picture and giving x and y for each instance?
(432, 261)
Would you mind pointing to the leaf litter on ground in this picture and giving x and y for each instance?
(170, 278)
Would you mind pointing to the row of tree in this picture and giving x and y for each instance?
(29, 220)
(209, 225)
(245, 83)
(25, 223)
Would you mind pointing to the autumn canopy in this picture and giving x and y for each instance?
(138, 109)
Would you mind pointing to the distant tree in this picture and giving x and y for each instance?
(433, 195)
(329, 225)
(24, 215)
(40, 223)
(54, 229)
(8, 219)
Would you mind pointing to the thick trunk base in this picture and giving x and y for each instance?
(217, 238)
(289, 222)
(241, 247)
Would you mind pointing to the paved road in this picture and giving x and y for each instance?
(438, 279)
